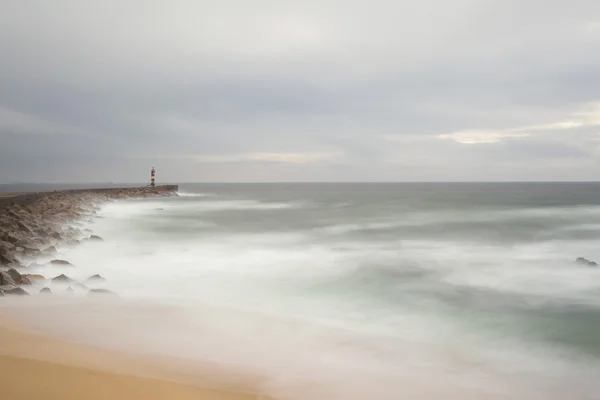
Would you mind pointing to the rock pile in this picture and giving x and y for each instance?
(35, 225)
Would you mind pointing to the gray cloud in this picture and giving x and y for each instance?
(324, 90)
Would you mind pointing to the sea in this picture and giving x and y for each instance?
(350, 290)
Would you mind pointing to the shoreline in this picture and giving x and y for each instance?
(33, 365)
(40, 365)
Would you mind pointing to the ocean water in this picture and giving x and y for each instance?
(352, 291)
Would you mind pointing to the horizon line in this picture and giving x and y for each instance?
(283, 182)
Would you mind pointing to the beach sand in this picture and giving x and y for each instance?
(35, 367)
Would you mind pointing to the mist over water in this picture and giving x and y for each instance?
(353, 291)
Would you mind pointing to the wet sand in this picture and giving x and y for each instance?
(34, 367)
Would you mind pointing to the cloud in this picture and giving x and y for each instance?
(291, 158)
(477, 137)
(587, 116)
(15, 122)
(327, 90)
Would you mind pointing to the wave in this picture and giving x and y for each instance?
(193, 194)
(550, 217)
(245, 205)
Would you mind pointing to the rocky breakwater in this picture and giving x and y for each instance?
(34, 226)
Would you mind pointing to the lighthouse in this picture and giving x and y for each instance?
(152, 176)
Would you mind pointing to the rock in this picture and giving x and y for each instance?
(46, 291)
(60, 262)
(50, 250)
(34, 277)
(96, 238)
(14, 274)
(15, 291)
(8, 258)
(56, 235)
(6, 279)
(6, 247)
(10, 238)
(101, 291)
(95, 278)
(25, 227)
(73, 242)
(31, 252)
(39, 242)
(18, 278)
(585, 261)
(62, 278)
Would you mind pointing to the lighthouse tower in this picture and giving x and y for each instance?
(152, 176)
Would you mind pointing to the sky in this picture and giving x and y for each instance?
(312, 90)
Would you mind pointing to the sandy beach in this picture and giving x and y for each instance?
(33, 366)
(36, 367)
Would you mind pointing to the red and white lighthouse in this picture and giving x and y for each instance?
(152, 177)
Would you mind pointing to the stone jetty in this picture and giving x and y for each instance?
(34, 225)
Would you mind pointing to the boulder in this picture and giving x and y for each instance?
(17, 277)
(25, 227)
(49, 250)
(39, 242)
(34, 277)
(56, 235)
(25, 281)
(96, 238)
(60, 262)
(62, 278)
(8, 258)
(15, 265)
(95, 278)
(101, 291)
(10, 237)
(25, 243)
(15, 291)
(6, 247)
(31, 252)
(46, 290)
(585, 261)
(6, 279)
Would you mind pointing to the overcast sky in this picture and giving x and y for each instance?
(311, 90)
